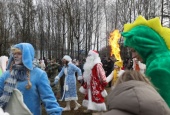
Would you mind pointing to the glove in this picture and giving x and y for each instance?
(80, 77)
(56, 81)
(81, 81)
(52, 84)
(104, 93)
(109, 78)
(56, 78)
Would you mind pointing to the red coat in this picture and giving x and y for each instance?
(96, 87)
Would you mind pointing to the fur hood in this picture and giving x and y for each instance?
(27, 55)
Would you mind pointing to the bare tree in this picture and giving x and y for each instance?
(71, 26)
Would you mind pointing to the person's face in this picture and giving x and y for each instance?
(64, 61)
(17, 57)
(116, 67)
(136, 55)
(113, 58)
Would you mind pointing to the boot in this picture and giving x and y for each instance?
(67, 108)
(77, 105)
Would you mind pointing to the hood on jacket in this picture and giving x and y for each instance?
(27, 55)
(136, 98)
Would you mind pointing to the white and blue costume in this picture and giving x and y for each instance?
(40, 90)
(70, 91)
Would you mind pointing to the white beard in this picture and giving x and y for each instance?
(88, 68)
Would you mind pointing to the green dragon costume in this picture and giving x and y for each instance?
(152, 42)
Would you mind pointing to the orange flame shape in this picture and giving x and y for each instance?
(113, 42)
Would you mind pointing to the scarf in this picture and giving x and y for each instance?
(18, 73)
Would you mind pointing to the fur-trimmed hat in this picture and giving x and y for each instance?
(93, 53)
(27, 54)
(67, 57)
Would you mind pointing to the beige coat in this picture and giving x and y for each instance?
(135, 98)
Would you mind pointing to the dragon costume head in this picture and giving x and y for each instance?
(145, 34)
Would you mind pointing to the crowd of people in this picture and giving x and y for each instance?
(138, 86)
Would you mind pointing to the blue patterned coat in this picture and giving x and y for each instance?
(70, 81)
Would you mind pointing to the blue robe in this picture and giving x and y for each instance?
(70, 81)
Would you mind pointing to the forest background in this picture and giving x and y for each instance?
(73, 27)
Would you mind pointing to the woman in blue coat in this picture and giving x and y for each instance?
(31, 81)
(70, 91)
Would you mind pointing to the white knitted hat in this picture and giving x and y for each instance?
(67, 57)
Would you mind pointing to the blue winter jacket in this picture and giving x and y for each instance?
(40, 90)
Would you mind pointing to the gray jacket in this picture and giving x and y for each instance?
(135, 98)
